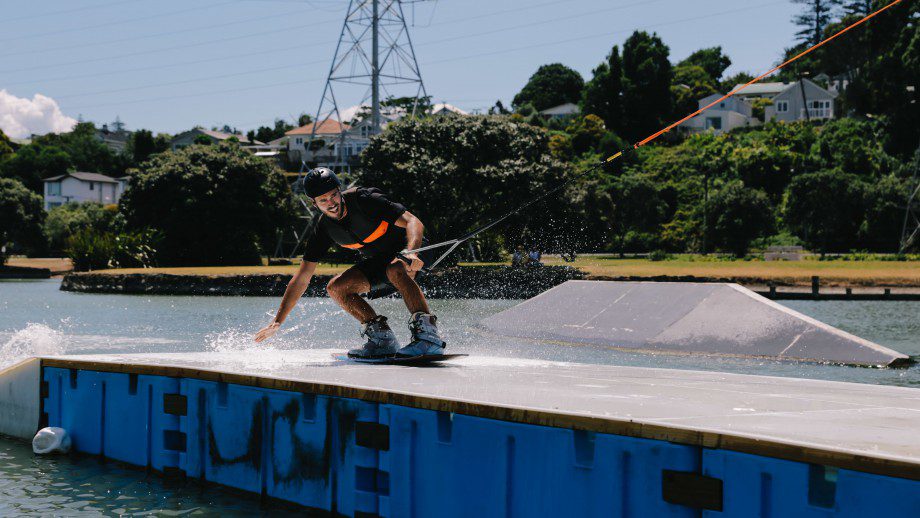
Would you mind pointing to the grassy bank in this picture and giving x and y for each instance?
(837, 272)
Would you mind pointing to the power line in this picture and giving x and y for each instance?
(466, 36)
(86, 8)
(472, 56)
(156, 35)
(154, 51)
(118, 22)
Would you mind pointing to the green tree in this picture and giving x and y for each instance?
(586, 133)
(691, 83)
(55, 154)
(637, 211)
(21, 217)
(6, 146)
(602, 95)
(711, 60)
(885, 201)
(142, 144)
(458, 173)
(646, 85)
(826, 209)
(738, 215)
(212, 204)
(814, 18)
(551, 85)
(854, 146)
(66, 220)
(35, 162)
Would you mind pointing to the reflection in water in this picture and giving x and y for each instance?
(84, 486)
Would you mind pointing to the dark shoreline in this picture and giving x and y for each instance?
(491, 282)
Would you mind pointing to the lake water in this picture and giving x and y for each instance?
(36, 318)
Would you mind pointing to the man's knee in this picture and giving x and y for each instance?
(336, 286)
(396, 271)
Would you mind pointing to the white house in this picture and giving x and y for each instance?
(79, 187)
(729, 114)
(791, 99)
(562, 111)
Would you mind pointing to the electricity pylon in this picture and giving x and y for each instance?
(374, 53)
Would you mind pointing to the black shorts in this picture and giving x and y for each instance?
(374, 269)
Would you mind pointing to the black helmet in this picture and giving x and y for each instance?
(319, 181)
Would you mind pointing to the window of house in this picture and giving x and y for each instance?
(299, 141)
(714, 123)
(782, 106)
(54, 189)
(721, 105)
(92, 186)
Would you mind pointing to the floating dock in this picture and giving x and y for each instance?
(684, 317)
(485, 436)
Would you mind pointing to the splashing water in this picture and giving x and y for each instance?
(234, 340)
(33, 340)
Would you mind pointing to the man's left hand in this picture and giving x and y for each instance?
(416, 264)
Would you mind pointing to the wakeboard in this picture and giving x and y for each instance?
(393, 360)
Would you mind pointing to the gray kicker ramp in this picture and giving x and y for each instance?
(683, 317)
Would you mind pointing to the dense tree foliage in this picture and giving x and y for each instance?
(457, 173)
(21, 217)
(142, 144)
(213, 204)
(551, 85)
(647, 77)
(737, 215)
(603, 94)
(65, 221)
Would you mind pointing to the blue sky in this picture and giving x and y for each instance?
(170, 65)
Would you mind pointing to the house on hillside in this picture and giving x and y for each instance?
(563, 111)
(115, 138)
(791, 99)
(189, 137)
(78, 187)
(729, 114)
(336, 145)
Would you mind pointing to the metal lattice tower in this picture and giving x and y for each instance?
(374, 54)
(910, 231)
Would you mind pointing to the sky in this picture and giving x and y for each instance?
(170, 65)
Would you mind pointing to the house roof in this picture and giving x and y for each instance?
(562, 109)
(324, 127)
(86, 177)
(442, 107)
(763, 88)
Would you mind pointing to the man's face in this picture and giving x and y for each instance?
(331, 204)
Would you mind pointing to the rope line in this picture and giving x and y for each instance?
(456, 242)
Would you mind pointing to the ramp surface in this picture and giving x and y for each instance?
(868, 428)
(684, 318)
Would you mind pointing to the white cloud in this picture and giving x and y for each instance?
(21, 117)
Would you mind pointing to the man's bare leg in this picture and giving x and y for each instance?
(405, 284)
(344, 289)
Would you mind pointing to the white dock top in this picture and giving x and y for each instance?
(863, 427)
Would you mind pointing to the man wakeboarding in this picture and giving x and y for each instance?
(363, 219)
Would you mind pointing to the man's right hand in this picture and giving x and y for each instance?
(267, 332)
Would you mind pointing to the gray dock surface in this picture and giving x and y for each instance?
(870, 428)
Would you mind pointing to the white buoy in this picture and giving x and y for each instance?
(51, 440)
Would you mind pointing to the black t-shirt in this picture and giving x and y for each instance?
(368, 226)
